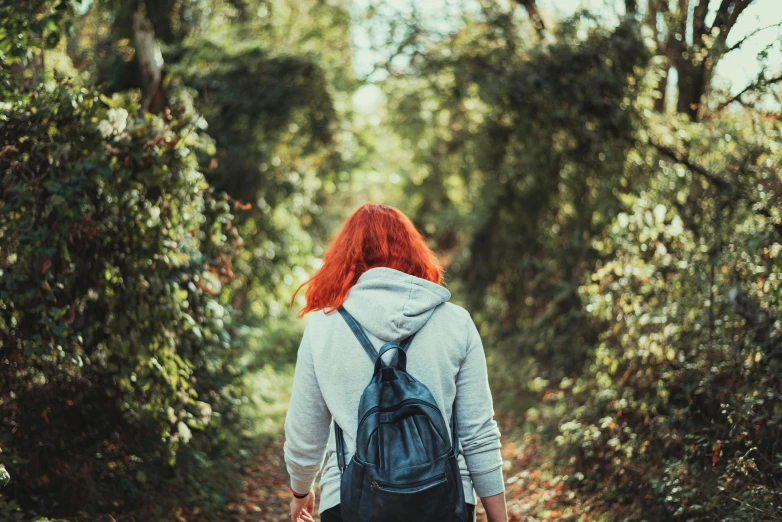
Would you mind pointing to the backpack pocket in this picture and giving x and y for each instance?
(422, 501)
(414, 487)
(407, 435)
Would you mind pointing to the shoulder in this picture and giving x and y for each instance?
(318, 332)
(319, 319)
(453, 316)
(453, 311)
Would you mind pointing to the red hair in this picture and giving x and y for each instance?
(375, 235)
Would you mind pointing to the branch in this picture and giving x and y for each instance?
(763, 114)
(410, 39)
(699, 19)
(716, 181)
(751, 87)
(750, 35)
(534, 14)
(726, 18)
(681, 159)
(757, 319)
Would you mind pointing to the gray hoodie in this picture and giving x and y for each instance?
(332, 371)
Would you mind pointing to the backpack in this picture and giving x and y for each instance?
(404, 468)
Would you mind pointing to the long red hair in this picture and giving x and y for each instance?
(373, 236)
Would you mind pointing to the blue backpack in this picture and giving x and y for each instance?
(404, 468)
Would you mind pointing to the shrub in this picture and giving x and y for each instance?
(117, 355)
(679, 409)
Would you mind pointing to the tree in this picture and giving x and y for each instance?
(521, 150)
(150, 61)
(690, 45)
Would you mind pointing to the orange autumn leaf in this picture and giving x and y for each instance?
(243, 206)
(160, 141)
(71, 314)
(508, 449)
(199, 283)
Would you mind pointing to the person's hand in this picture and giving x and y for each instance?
(302, 508)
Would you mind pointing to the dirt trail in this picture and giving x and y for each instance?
(534, 492)
(265, 495)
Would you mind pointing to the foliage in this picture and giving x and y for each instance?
(29, 25)
(525, 149)
(624, 262)
(272, 88)
(133, 315)
(117, 350)
(273, 152)
(680, 406)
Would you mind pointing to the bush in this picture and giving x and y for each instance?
(679, 409)
(117, 360)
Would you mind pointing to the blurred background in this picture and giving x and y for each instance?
(601, 179)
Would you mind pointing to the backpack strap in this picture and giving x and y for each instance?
(400, 360)
(366, 344)
(340, 443)
(359, 333)
(454, 437)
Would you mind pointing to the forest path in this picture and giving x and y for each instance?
(534, 492)
(265, 496)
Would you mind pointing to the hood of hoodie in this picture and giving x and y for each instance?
(393, 305)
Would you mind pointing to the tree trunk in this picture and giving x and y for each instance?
(663, 48)
(532, 10)
(150, 61)
(691, 89)
(694, 70)
(662, 88)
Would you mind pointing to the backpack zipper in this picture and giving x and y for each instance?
(411, 487)
(405, 402)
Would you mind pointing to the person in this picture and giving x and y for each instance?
(381, 271)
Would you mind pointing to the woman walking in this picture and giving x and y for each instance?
(411, 365)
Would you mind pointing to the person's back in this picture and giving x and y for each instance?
(332, 371)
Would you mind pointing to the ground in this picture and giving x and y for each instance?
(534, 491)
